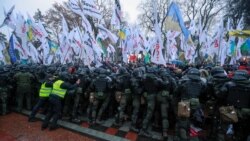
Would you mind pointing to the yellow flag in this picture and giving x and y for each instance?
(30, 34)
(122, 34)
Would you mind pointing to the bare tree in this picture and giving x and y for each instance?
(53, 16)
(236, 9)
(38, 15)
(206, 10)
(146, 18)
(106, 8)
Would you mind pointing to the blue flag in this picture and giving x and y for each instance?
(175, 20)
(12, 53)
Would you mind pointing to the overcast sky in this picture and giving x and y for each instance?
(30, 6)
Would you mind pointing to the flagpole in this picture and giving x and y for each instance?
(81, 41)
(219, 50)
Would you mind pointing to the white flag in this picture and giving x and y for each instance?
(2, 47)
(156, 55)
(74, 6)
(90, 8)
(116, 15)
(111, 36)
(240, 25)
(9, 20)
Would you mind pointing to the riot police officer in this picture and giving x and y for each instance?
(23, 81)
(212, 101)
(137, 90)
(163, 98)
(123, 93)
(99, 96)
(235, 113)
(190, 88)
(80, 100)
(3, 90)
(151, 86)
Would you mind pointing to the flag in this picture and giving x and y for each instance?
(240, 25)
(222, 54)
(116, 16)
(9, 20)
(122, 34)
(229, 26)
(2, 57)
(104, 49)
(29, 32)
(217, 39)
(39, 31)
(73, 41)
(90, 8)
(245, 48)
(238, 49)
(156, 54)
(21, 26)
(240, 33)
(232, 47)
(45, 51)
(35, 30)
(33, 53)
(112, 49)
(65, 29)
(111, 36)
(174, 20)
(53, 46)
(147, 58)
(16, 51)
(74, 6)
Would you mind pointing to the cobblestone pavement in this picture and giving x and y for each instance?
(15, 127)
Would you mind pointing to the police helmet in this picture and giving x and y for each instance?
(138, 72)
(150, 70)
(193, 73)
(122, 70)
(241, 75)
(218, 72)
(102, 71)
(64, 76)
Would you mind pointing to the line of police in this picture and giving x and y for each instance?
(201, 99)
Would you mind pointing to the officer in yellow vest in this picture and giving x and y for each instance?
(44, 93)
(56, 97)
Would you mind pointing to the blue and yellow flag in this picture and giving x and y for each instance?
(53, 46)
(12, 52)
(122, 34)
(29, 31)
(174, 20)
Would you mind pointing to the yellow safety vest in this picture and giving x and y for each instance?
(57, 90)
(45, 91)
